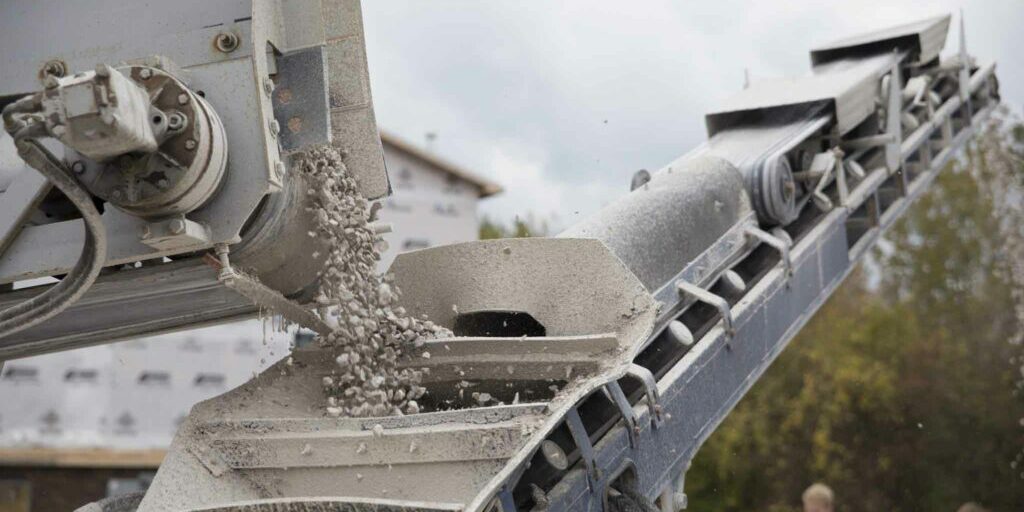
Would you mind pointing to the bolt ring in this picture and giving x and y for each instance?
(226, 42)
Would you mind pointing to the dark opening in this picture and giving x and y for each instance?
(498, 324)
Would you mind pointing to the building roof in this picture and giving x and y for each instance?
(486, 188)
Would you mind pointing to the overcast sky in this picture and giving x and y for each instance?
(560, 101)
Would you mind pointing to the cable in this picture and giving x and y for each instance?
(94, 252)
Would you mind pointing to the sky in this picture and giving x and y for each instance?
(561, 101)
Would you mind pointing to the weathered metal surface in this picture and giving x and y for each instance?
(673, 218)
(847, 89)
(300, 99)
(923, 40)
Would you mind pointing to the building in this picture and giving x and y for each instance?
(78, 425)
(434, 201)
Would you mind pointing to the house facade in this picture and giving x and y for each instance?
(109, 411)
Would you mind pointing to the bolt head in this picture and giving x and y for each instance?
(116, 194)
(268, 86)
(78, 167)
(226, 42)
(176, 226)
(59, 130)
(51, 82)
(190, 144)
(275, 127)
(145, 73)
(102, 70)
(183, 99)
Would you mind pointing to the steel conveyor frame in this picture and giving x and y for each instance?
(704, 385)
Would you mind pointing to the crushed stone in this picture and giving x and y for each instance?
(372, 333)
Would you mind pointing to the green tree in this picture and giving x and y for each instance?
(519, 228)
(898, 394)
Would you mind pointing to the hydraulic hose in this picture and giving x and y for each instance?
(94, 252)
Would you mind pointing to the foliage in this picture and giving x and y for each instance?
(520, 228)
(899, 393)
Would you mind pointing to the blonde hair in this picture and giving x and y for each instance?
(820, 493)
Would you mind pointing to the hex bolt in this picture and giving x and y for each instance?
(176, 121)
(78, 167)
(182, 99)
(190, 144)
(226, 42)
(275, 128)
(176, 226)
(145, 73)
(268, 86)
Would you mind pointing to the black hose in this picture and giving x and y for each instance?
(94, 252)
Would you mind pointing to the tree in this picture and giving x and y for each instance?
(898, 393)
(520, 228)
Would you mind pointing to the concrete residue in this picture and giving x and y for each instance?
(371, 332)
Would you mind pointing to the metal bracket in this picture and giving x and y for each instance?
(582, 440)
(508, 503)
(650, 390)
(263, 295)
(783, 246)
(626, 409)
(711, 299)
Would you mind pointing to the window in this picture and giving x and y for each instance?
(81, 375)
(447, 210)
(18, 373)
(211, 380)
(415, 243)
(155, 378)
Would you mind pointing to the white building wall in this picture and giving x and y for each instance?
(133, 395)
(428, 207)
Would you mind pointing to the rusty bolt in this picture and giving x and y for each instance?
(284, 96)
(295, 124)
(190, 144)
(176, 226)
(226, 42)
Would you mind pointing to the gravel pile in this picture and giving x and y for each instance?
(371, 332)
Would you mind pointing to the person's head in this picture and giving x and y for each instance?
(971, 507)
(818, 498)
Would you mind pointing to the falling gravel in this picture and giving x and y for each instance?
(372, 333)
